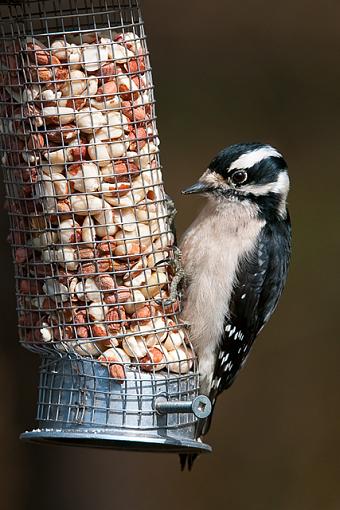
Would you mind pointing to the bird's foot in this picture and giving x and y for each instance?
(175, 264)
(171, 210)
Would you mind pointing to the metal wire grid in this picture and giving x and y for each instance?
(80, 393)
(88, 217)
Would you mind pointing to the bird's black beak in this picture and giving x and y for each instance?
(198, 187)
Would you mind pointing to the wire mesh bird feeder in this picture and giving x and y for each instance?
(90, 229)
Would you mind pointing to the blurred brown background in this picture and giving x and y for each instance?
(224, 72)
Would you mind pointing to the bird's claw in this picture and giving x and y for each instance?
(171, 209)
(164, 262)
(175, 264)
(165, 303)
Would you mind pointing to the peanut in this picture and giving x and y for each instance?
(58, 115)
(153, 361)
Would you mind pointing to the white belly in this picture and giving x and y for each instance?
(212, 248)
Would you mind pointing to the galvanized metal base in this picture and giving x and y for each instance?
(81, 405)
(108, 440)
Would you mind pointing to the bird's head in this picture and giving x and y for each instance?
(251, 173)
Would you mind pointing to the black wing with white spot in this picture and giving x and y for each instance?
(260, 281)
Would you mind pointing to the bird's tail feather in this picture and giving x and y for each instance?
(187, 460)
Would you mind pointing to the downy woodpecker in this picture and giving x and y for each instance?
(235, 257)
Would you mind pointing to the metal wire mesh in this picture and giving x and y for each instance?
(90, 226)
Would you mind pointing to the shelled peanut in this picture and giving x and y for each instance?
(86, 201)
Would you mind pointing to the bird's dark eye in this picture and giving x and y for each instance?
(239, 177)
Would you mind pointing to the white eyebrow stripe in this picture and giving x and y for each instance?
(281, 186)
(253, 157)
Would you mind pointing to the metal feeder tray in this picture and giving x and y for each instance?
(80, 405)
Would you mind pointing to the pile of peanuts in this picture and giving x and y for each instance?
(90, 229)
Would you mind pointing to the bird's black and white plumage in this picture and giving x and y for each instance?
(235, 257)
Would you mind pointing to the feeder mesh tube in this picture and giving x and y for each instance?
(92, 242)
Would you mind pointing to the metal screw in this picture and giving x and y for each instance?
(200, 406)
